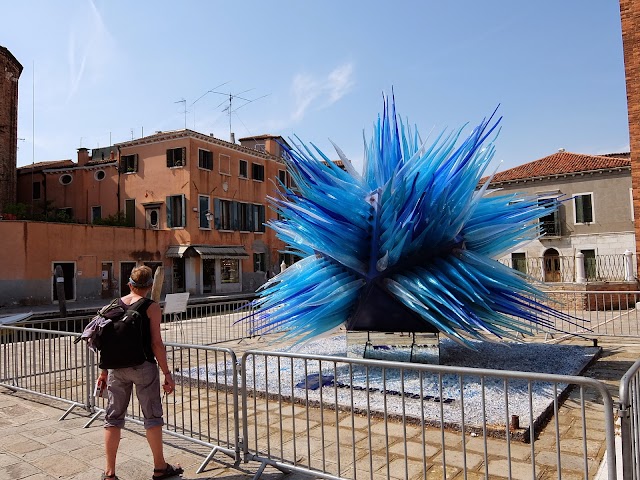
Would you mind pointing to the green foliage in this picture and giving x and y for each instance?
(115, 220)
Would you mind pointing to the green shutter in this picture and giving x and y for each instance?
(169, 216)
(216, 213)
(234, 215)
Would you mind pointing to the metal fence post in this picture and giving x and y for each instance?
(625, 434)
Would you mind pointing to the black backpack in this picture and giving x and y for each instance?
(118, 333)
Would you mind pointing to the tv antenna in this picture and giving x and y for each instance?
(231, 97)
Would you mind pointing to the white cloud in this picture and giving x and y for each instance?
(308, 90)
(90, 48)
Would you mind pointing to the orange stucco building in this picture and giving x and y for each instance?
(193, 203)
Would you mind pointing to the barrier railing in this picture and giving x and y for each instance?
(336, 417)
(629, 414)
(595, 313)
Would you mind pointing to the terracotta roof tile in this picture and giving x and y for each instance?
(562, 163)
(47, 164)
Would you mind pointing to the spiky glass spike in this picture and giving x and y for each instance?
(408, 245)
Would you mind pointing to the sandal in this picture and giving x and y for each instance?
(167, 472)
(109, 477)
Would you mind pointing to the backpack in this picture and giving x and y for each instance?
(118, 334)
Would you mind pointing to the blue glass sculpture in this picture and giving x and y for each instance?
(409, 245)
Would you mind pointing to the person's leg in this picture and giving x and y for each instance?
(118, 394)
(154, 438)
(111, 442)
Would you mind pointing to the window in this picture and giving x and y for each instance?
(152, 215)
(583, 204)
(288, 258)
(589, 264)
(282, 176)
(550, 223)
(129, 163)
(176, 211)
(130, 212)
(176, 157)
(205, 159)
(257, 172)
(519, 262)
(259, 264)
(66, 179)
(243, 169)
(203, 210)
(245, 217)
(225, 164)
(229, 270)
(96, 213)
(99, 175)
(65, 213)
(36, 191)
(258, 218)
(222, 214)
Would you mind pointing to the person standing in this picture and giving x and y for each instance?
(125, 367)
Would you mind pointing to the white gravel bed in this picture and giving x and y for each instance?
(429, 396)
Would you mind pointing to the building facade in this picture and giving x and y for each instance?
(10, 70)
(594, 221)
(190, 202)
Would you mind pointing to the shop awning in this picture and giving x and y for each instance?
(208, 252)
(176, 251)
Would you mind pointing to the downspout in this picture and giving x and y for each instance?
(118, 170)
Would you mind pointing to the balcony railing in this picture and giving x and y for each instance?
(601, 268)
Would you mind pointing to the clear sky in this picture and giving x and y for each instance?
(98, 71)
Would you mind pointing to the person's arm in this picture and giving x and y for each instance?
(157, 345)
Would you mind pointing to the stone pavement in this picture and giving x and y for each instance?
(34, 445)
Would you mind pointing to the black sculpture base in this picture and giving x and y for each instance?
(395, 346)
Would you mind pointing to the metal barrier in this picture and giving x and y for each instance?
(629, 414)
(595, 313)
(376, 419)
(46, 362)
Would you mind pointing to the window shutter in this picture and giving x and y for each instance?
(169, 158)
(588, 210)
(184, 157)
(216, 213)
(261, 218)
(234, 215)
(135, 162)
(579, 210)
(169, 219)
(251, 208)
(183, 219)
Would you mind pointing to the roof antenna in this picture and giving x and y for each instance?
(185, 111)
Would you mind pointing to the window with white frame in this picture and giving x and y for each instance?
(176, 157)
(225, 164)
(205, 159)
(129, 163)
(243, 169)
(583, 208)
(204, 205)
(176, 211)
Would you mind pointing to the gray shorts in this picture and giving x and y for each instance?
(119, 385)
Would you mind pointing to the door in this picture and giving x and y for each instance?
(178, 275)
(551, 265)
(125, 272)
(69, 274)
(208, 276)
(107, 279)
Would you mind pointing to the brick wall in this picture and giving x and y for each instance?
(630, 17)
(10, 70)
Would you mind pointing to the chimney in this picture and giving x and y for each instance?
(83, 156)
(233, 138)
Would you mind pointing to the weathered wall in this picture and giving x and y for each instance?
(10, 70)
(29, 250)
(630, 16)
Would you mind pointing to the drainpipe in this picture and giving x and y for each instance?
(119, 173)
